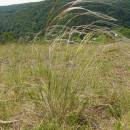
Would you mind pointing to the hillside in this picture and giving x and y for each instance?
(26, 20)
(72, 75)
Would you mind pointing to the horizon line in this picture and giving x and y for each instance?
(20, 3)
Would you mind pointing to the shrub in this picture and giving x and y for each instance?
(7, 37)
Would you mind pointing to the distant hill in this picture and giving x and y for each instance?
(28, 19)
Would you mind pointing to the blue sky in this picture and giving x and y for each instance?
(10, 2)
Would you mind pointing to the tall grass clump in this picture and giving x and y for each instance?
(62, 93)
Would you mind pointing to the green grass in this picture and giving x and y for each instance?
(124, 31)
(64, 86)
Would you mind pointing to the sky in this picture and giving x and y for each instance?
(11, 2)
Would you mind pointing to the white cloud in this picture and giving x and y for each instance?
(10, 2)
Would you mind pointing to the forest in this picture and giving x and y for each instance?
(26, 20)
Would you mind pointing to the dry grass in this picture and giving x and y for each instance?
(63, 86)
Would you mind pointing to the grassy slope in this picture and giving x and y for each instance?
(66, 86)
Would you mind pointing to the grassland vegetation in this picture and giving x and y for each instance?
(64, 86)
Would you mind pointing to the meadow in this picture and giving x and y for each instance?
(65, 86)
